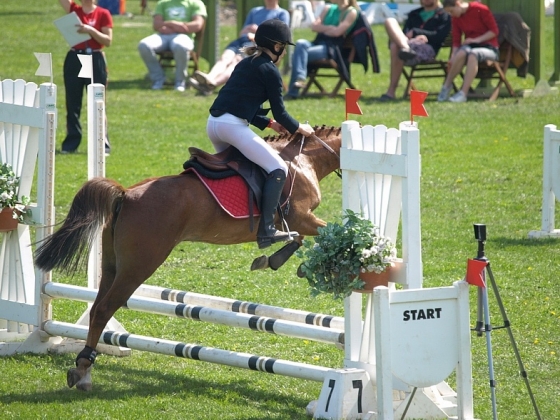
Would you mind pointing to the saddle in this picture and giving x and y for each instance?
(231, 162)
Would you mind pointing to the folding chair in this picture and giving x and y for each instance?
(494, 70)
(166, 59)
(436, 68)
(328, 68)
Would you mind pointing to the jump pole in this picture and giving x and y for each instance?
(233, 305)
(205, 314)
(192, 351)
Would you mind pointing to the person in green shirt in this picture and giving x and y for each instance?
(175, 22)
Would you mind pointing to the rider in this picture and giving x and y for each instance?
(255, 80)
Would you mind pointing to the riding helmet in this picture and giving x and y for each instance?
(272, 31)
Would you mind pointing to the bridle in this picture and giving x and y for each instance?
(338, 172)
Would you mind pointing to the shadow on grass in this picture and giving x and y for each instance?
(128, 84)
(112, 382)
(505, 242)
(21, 13)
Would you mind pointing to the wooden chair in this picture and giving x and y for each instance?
(328, 68)
(166, 59)
(436, 68)
(494, 70)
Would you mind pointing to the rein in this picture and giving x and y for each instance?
(338, 172)
(326, 146)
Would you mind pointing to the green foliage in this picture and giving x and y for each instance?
(9, 184)
(335, 257)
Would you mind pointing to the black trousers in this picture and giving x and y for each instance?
(75, 87)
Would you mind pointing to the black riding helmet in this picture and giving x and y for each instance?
(272, 31)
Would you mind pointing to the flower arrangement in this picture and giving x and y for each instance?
(9, 184)
(335, 257)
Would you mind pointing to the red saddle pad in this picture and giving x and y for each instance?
(231, 193)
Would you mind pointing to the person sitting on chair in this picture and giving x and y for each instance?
(477, 23)
(255, 80)
(221, 71)
(420, 39)
(335, 22)
(174, 21)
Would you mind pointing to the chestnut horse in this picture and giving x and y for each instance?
(145, 222)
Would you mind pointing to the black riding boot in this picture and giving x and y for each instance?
(267, 233)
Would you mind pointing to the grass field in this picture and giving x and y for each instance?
(481, 163)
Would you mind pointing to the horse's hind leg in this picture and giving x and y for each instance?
(125, 267)
(81, 375)
(105, 306)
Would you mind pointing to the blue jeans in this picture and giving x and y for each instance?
(304, 52)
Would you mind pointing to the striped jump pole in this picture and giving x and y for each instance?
(232, 305)
(201, 313)
(193, 351)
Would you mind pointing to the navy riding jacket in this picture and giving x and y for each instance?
(254, 81)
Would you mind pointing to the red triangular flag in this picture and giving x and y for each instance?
(417, 99)
(474, 272)
(352, 107)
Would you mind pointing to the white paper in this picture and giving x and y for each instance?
(67, 27)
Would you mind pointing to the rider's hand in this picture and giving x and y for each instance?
(305, 129)
(279, 128)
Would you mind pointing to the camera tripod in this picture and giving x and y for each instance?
(484, 325)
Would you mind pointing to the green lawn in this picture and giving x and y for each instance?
(481, 163)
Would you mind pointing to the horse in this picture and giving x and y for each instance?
(143, 223)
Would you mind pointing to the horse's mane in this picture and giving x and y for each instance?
(320, 131)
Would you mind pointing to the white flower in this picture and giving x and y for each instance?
(9, 184)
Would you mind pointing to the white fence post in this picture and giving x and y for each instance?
(551, 183)
(27, 130)
(381, 180)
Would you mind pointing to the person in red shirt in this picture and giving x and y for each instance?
(97, 23)
(476, 22)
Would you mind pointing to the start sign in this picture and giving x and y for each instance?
(427, 328)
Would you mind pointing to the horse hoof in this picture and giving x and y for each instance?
(72, 377)
(82, 382)
(260, 263)
(300, 272)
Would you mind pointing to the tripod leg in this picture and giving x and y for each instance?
(522, 372)
(488, 329)
(479, 328)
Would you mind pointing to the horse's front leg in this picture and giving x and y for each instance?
(276, 260)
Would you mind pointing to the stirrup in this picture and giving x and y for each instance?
(278, 236)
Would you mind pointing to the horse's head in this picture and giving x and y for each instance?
(322, 150)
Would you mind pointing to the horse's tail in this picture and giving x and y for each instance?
(65, 249)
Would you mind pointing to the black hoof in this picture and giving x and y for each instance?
(72, 377)
(260, 263)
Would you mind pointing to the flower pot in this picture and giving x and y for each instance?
(7, 221)
(373, 280)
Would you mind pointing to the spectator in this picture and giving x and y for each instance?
(420, 40)
(476, 22)
(221, 71)
(255, 80)
(335, 22)
(174, 21)
(97, 23)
